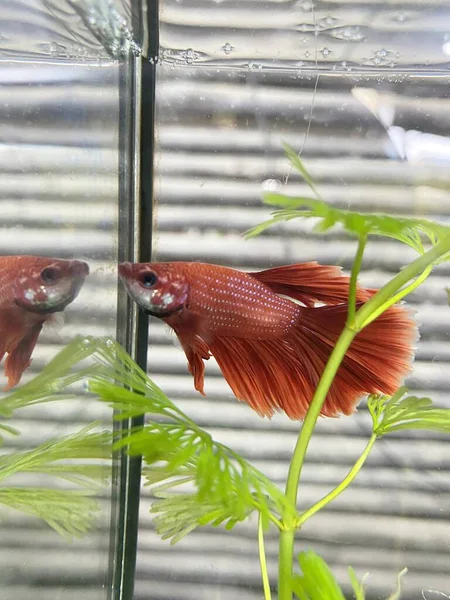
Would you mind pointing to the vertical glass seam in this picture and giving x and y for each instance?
(136, 155)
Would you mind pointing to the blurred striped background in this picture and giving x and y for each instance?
(235, 81)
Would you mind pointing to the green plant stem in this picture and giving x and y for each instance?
(414, 269)
(341, 487)
(400, 295)
(262, 560)
(286, 547)
(356, 267)
(383, 298)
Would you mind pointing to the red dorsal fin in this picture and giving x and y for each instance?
(310, 283)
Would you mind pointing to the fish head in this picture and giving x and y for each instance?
(160, 289)
(46, 285)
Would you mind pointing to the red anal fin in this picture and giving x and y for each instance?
(196, 350)
(266, 375)
(19, 356)
(310, 283)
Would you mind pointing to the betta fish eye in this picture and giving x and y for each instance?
(50, 275)
(148, 279)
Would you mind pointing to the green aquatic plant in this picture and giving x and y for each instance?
(316, 581)
(197, 481)
(75, 459)
(79, 461)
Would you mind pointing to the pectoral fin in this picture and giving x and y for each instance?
(19, 356)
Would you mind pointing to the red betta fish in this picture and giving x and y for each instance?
(272, 350)
(32, 288)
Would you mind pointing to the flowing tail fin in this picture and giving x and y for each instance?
(378, 359)
(282, 374)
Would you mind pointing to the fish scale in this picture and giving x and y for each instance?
(235, 304)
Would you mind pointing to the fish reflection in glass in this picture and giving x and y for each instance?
(269, 337)
(32, 289)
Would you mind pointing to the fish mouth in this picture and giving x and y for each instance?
(79, 269)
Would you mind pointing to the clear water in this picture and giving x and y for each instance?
(59, 105)
(236, 78)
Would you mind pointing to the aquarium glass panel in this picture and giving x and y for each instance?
(360, 90)
(59, 181)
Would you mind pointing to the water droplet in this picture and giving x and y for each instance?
(305, 5)
(272, 185)
(189, 56)
(227, 48)
(252, 66)
(110, 343)
(351, 33)
(307, 54)
(86, 342)
(330, 21)
(382, 53)
(325, 52)
(400, 17)
(86, 387)
(446, 48)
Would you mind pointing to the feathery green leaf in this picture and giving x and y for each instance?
(196, 480)
(298, 165)
(317, 582)
(413, 232)
(70, 512)
(398, 412)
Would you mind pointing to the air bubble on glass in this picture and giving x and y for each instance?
(189, 56)
(305, 5)
(401, 17)
(272, 185)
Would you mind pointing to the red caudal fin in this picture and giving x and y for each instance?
(282, 374)
(310, 283)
